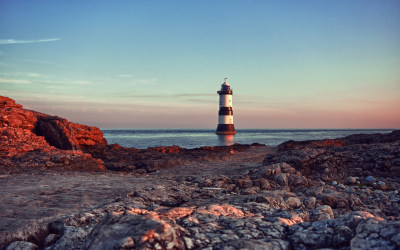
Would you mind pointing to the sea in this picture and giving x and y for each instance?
(194, 138)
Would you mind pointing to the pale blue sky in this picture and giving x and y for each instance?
(158, 64)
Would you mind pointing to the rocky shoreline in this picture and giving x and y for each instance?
(64, 187)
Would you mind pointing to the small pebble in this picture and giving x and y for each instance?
(369, 178)
(381, 183)
(341, 186)
(334, 183)
(351, 180)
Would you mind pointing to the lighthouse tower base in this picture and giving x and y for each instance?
(225, 129)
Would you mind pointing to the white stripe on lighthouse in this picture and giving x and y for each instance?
(225, 119)
(225, 100)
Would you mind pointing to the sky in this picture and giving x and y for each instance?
(159, 64)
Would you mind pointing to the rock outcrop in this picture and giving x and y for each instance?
(356, 157)
(118, 158)
(66, 135)
(22, 146)
(345, 141)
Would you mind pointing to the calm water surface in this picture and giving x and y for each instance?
(191, 138)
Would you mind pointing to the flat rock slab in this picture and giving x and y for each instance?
(29, 201)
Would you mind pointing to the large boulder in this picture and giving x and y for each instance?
(57, 131)
(63, 134)
(32, 139)
(130, 230)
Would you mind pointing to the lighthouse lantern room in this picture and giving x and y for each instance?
(225, 113)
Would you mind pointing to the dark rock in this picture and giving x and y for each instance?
(22, 245)
(369, 178)
(342, 236)
(274, 244)
(282, 179)
(263, 184)
(321, 213)
(310, 202)
(250, 190)
(293, 202)
(348, 140)
(290, 145)
(244, 182)
(336, 200)
(51, 239)
(351, 180)
(373, 234)
(296, 181)
(143, 232)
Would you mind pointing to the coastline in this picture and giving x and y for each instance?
(64, 186)
(194, 138)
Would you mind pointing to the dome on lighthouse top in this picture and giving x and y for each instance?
(225, 82)
(225, 88)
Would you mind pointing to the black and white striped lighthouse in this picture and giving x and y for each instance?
(225, 113)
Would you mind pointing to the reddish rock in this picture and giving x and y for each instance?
(57, 131)
(166, 150)
(345, 141)
(15, 141)
(372, 138)
(13, 115)
(178, 212)
(63, 134)
(21, 147)
(290, 145)
(335, 200)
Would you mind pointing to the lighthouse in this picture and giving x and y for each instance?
(225, 113)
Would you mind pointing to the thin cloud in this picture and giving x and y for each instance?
(22, 81)
(64, 83)
(82, 82)
(34, 75)
(13, 41)
(145, 81)
(199, 101)
(198, 95)
(125, 75)
(14, 81)
(48, 83)
(166, 95)
(29, 74)
(37, 79)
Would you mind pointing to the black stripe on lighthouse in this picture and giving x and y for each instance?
(225, 112)
(226, 129)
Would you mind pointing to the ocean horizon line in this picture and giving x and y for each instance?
(243, 129)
